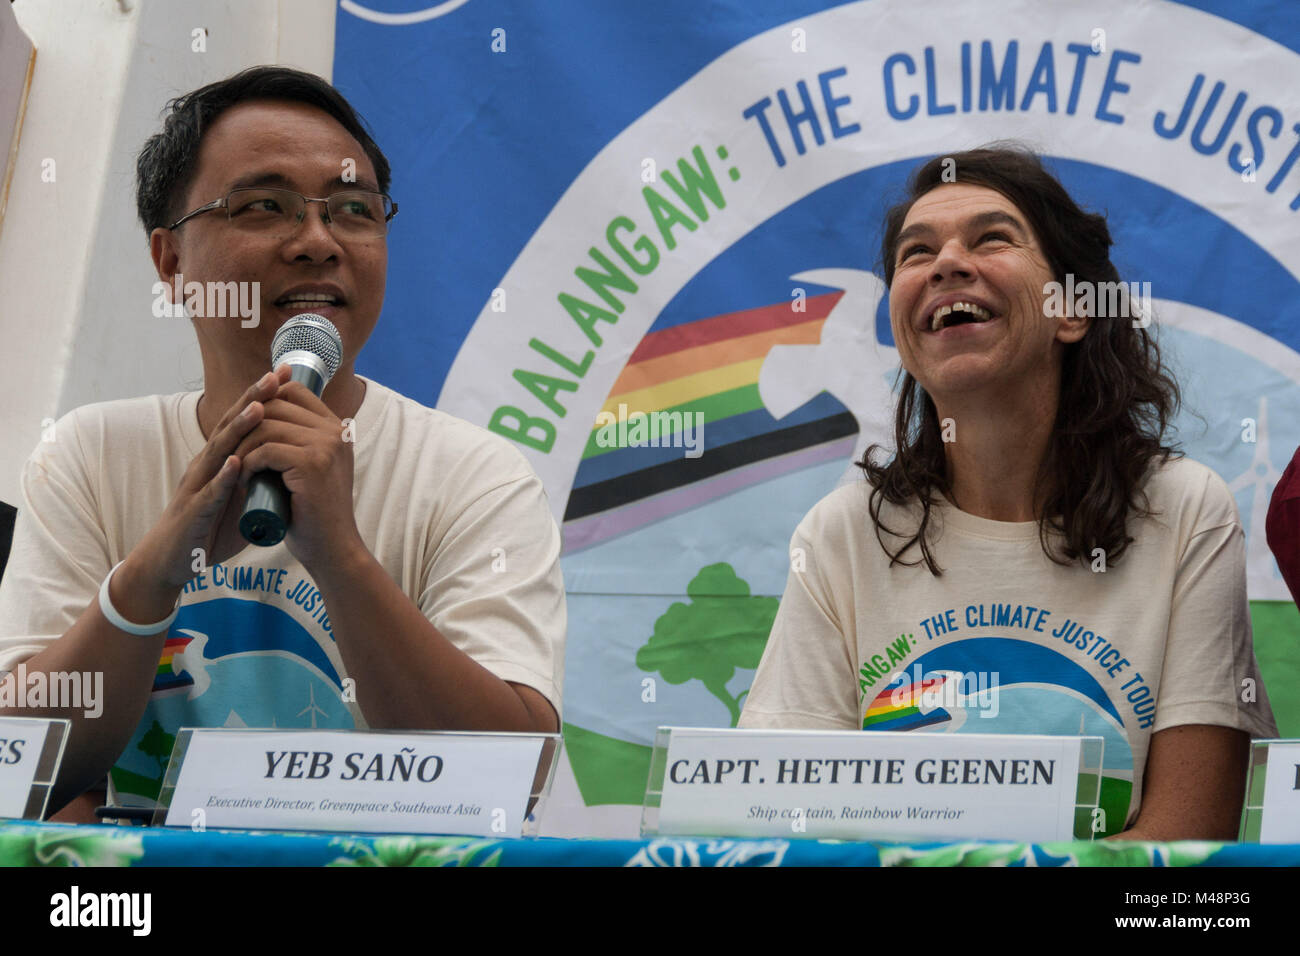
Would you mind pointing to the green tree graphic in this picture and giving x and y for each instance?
(157, 743)
(723, 628)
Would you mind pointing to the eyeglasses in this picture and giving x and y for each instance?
(350, 213)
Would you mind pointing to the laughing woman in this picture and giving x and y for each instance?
(1034, 546)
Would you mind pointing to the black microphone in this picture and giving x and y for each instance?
(311, 345)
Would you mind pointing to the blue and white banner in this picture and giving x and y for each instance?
(641, 242)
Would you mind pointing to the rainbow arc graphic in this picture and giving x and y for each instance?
(165, 680)
(709, 366)
(899, 708)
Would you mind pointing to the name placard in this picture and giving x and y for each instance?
(854, 785)
(30, 751)
(473, 784)
(1280, 820)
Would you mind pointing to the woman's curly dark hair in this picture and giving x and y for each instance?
(1116, 402)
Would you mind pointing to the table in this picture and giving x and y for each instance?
(25, 843)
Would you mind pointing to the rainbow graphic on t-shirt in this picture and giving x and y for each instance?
(230, 662)
(166, 679)
(899, 708)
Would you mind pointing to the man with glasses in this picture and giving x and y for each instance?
(419, 584)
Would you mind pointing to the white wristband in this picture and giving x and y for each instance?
(121, 623)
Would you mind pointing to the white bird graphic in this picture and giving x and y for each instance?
(191, 659)
(849, 362)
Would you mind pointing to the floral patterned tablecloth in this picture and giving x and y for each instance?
(51, 844)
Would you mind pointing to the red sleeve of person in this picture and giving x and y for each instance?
(1283, 525)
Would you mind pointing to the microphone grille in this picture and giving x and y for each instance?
(312, 333)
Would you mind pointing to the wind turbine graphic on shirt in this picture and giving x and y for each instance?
(311, 707)
(1261, 477)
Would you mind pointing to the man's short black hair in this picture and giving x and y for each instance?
(166, 163)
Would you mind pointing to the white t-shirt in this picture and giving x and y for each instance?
(1006, 641)
(454, 513)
